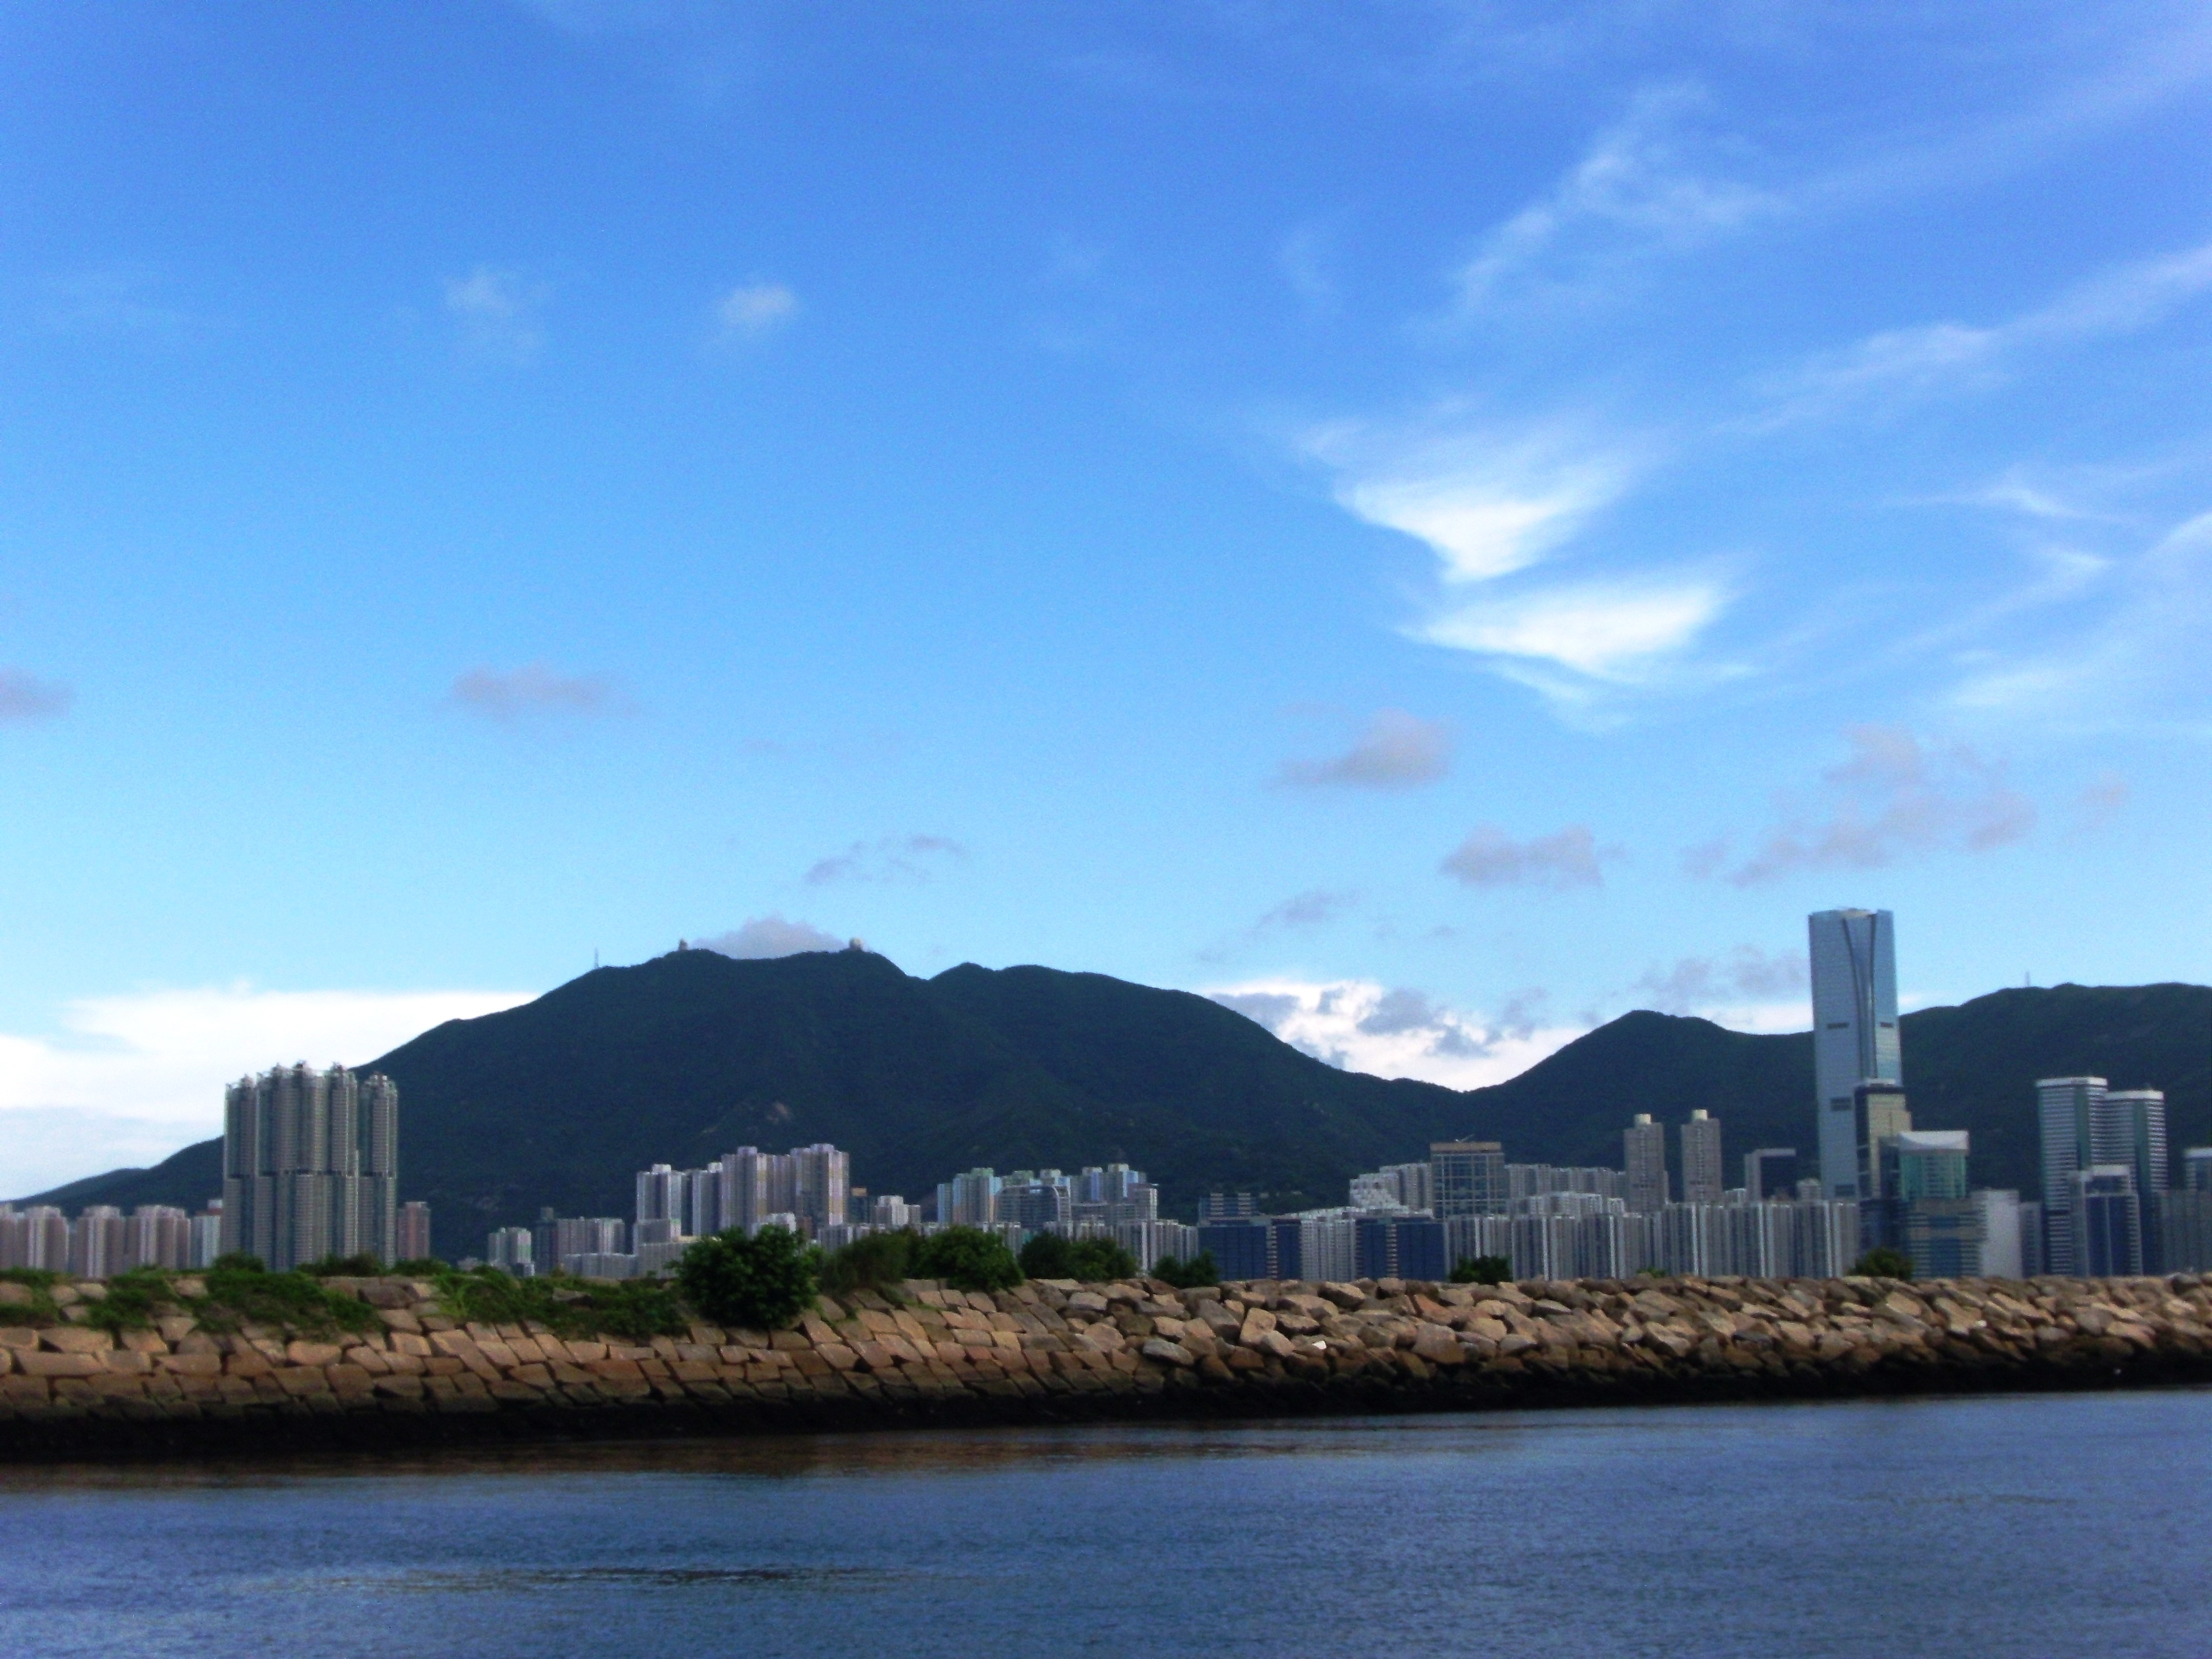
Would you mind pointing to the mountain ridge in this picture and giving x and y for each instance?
(676, 1059)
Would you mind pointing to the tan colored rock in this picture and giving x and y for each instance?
(18, 1336)
(314, 1354)
(13, 1295)
(46, 1363)
(176, 1327)
(1171, 1353)
(76, 1339)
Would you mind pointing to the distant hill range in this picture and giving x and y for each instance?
(680, 1059)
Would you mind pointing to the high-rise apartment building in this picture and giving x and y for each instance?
(1643, 1146)
(971, 1199)
(311, 1166)
(1855, 1033)
(1468, 1178)
(1703, 1179)
(821, 1180)
(412, 1232)
(2197, 1170)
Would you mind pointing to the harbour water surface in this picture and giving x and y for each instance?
(2022, 1525)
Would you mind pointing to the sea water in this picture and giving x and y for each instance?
(2026, 1526)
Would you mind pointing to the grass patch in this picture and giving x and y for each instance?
(41, 1307)
(636, 1309)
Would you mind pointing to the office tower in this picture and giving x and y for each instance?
(1468, 1178)
(2105, 1222)
(1935, 1220)
(1643, 1145)
(1037, 1203)
(311, 1164)
(1879, 1115)
(2185, 1217)
(1854, 1037)
(2001, 1233)
(2197, 1170)
(2135, 1134)
(1770, 1172)
(1702, 1179)
(2076, 1129)
(412, 1232)
(2034, 1239)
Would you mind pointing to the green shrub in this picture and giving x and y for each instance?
(239, 1261)
(1048, 1256)
(761, 1283)
(421, 1266)
(1100, 1259)
(968, 1258)
(1481, 1270)
(636, 1309)
(1187, 1275)
(1883, 1262)
(873, 1261)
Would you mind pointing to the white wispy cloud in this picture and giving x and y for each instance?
(752, 310)
(130, 1078)
(1896, 366)
(499, 314)
(533, 690)
(1363, 1025)
(1398, 751)
(1487, 500)
(2135, 664)
(1895, 798)
(1646, 186)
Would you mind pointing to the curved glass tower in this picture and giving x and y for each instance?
(1853, 1031)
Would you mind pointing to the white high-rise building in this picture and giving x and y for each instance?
(2087, 1127)
(1855, 1032)
(310, 1165)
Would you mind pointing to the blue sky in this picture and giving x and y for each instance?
(1440, 522)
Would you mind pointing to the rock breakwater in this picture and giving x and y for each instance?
(1055, 1350)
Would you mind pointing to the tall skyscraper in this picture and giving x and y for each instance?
(1643, 1144)
(311, 1166)
(821, 1180)
(2135, 1134)
(1854, 1037)
(1468, 1178)
(2069, 1109)
(412, 1235)
(1702, 1177)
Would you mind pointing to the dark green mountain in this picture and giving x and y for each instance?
(678, 1059)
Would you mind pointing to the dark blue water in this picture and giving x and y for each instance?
(1961, 1526)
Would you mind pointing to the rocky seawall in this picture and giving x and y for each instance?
(1052, 1351)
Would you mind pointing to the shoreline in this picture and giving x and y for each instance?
(1052, 1354)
